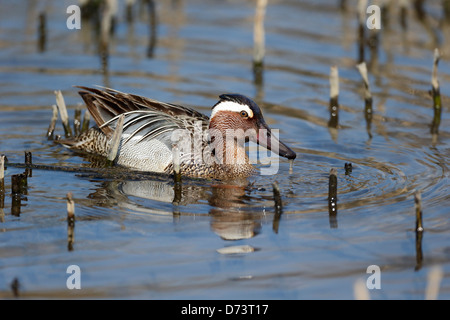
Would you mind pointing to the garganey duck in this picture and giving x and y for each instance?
(152, 128)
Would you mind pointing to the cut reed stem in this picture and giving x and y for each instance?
(63, 113)
(15, 184)
(334, 96)
(332, 198)
(28, 163)
(15, 287)
(419, 230)
(152, 25)
(18, 187)
(2, 167)
(348, 168)
(361, 15)
(435, 92)
(42, 32)
(258, 32)
(332, 192)
(368, 111)
(51, 127)
(259, 41)
(418, 208)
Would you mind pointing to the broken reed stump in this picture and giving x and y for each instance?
(61, 104)
(2, 166)
(259, 41)
(418, 208)
(361, 16)
(153, 28)
(107, 24)
(332, 197)
(332, 192)
(78, 126)
(42, 32)
(419, 230)
(19, 185)
(334, 96)
(368, 111)
(28, 162)
(348, 168)
(51, 127)
(278, 206)
(2, 172)
(435, 93)
(18, 188)
(15, 287)
(16, 184)
(70, 221)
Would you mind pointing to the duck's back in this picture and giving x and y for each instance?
(148, 128)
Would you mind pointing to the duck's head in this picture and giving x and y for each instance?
(235, 111)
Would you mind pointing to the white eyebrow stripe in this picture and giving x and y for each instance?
(231, 106)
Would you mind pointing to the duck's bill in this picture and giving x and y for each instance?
(270, 141)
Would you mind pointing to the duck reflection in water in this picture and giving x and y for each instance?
(226, 202)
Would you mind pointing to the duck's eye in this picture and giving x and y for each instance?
(244, 114)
